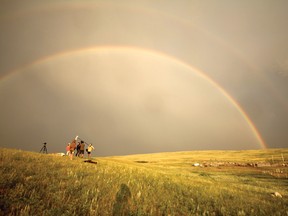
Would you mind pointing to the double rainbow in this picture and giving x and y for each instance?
(99, 49)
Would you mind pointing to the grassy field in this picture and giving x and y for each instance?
(223, 183)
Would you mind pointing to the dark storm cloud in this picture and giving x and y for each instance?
(242, 45)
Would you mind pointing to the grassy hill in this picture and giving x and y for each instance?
(178, 183)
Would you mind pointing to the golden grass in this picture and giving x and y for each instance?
(149, 184)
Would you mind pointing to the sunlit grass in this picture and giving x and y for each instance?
(150, 184)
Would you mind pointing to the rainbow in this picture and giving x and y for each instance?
(88, 5)
(100, 49)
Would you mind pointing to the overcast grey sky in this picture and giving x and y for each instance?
(144, 76)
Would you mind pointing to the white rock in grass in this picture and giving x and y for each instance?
(139, 194)
(196, 164)
(276, 194)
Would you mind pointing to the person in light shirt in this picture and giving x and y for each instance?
(89, 150)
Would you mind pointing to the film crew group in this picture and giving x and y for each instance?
(71, 147)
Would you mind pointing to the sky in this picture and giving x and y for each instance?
(135, 77)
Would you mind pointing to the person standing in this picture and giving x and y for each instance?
(73, 147)
(68, 149)
(89, 150)
(78, 150)
(82, 147)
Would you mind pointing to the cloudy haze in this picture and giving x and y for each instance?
(144, 76)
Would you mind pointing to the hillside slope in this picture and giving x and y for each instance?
(178, 183)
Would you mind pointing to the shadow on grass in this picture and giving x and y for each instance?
(90, 161)
(122, 201)
(142, 161)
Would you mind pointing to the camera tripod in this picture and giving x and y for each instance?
(44, 149)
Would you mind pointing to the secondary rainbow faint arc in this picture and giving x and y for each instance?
(149, 51)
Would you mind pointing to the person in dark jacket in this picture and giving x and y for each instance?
(78, 150)
(82, 148)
